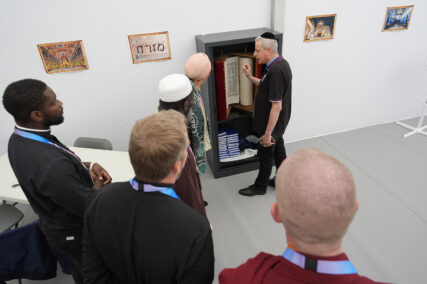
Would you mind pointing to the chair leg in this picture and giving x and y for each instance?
(19, 281)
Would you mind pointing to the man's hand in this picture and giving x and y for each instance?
(266, 140)
(99, 175)
(97, 184)
(247, 70)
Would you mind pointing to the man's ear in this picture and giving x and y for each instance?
(274, 211)
(176, 167)
(36, 116)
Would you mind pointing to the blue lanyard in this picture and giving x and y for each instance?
(39, 138)
(151, 188)
(271, 61)
(267, 68)
(336, 267)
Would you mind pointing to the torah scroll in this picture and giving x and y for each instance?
(232, 80)
(246, 86)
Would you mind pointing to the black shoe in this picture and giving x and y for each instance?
(272, 182)
(205, 202)
(253, 190)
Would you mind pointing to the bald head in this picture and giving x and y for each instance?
(316, 197)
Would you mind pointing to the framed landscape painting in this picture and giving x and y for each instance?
(150, 47)
(320, 27)
(397, 18)
(63, 56)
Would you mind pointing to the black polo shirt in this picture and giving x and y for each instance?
(275, 86)
(55, 183)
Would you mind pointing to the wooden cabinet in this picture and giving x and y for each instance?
(215, 46)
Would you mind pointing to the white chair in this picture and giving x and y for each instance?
(94, 143)
(419, 128)
(10, 216)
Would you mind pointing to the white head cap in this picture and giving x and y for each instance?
(174, 88)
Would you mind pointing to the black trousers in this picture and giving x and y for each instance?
(266, 156)
(71, 248)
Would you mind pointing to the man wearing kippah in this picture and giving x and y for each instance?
(272, 110)
(197, 69)
(176, 92)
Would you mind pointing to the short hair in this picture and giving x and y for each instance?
(268, 43)
(178, 106)
(22, 97)
(156, 143)
(316, 197)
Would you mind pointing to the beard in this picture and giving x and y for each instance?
(54, 120)
(189, 114)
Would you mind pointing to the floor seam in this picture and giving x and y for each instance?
(403, 141)
(390, 192)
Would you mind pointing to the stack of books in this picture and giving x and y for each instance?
(233, 143)
(222, 144)
(228, 143)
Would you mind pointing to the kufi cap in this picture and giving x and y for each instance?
(268, 35)
(198, 66)
(174, 88)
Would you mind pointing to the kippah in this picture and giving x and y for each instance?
(198, 66)
(174, 88)
(268, 35)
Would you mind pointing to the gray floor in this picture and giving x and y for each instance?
(387, 240)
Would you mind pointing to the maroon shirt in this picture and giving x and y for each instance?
(269, 269)
(188, 186)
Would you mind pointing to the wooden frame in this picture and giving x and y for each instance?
(154, 45)
(402, 23)
(63, 56)
(315, 31)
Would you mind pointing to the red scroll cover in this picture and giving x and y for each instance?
(221, 104)
(258, 70)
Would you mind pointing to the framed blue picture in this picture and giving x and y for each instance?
(397, 18)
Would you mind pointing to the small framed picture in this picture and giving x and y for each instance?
(320, 27)
(397, 18)
(150, 47)
(63, 56)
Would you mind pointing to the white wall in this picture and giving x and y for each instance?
(363, 76)
(107, 99)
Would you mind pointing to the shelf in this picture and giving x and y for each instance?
(250, 160)
(236, 113)
(249, 108)
(239, 117)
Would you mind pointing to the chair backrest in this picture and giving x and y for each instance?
(9, 217)
(25, 253)
(94, 143)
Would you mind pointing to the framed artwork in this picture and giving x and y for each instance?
(63, 56)
(150, 47)
(397, 18)
(320, 27)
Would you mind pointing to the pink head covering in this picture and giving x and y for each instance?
(198, 66)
